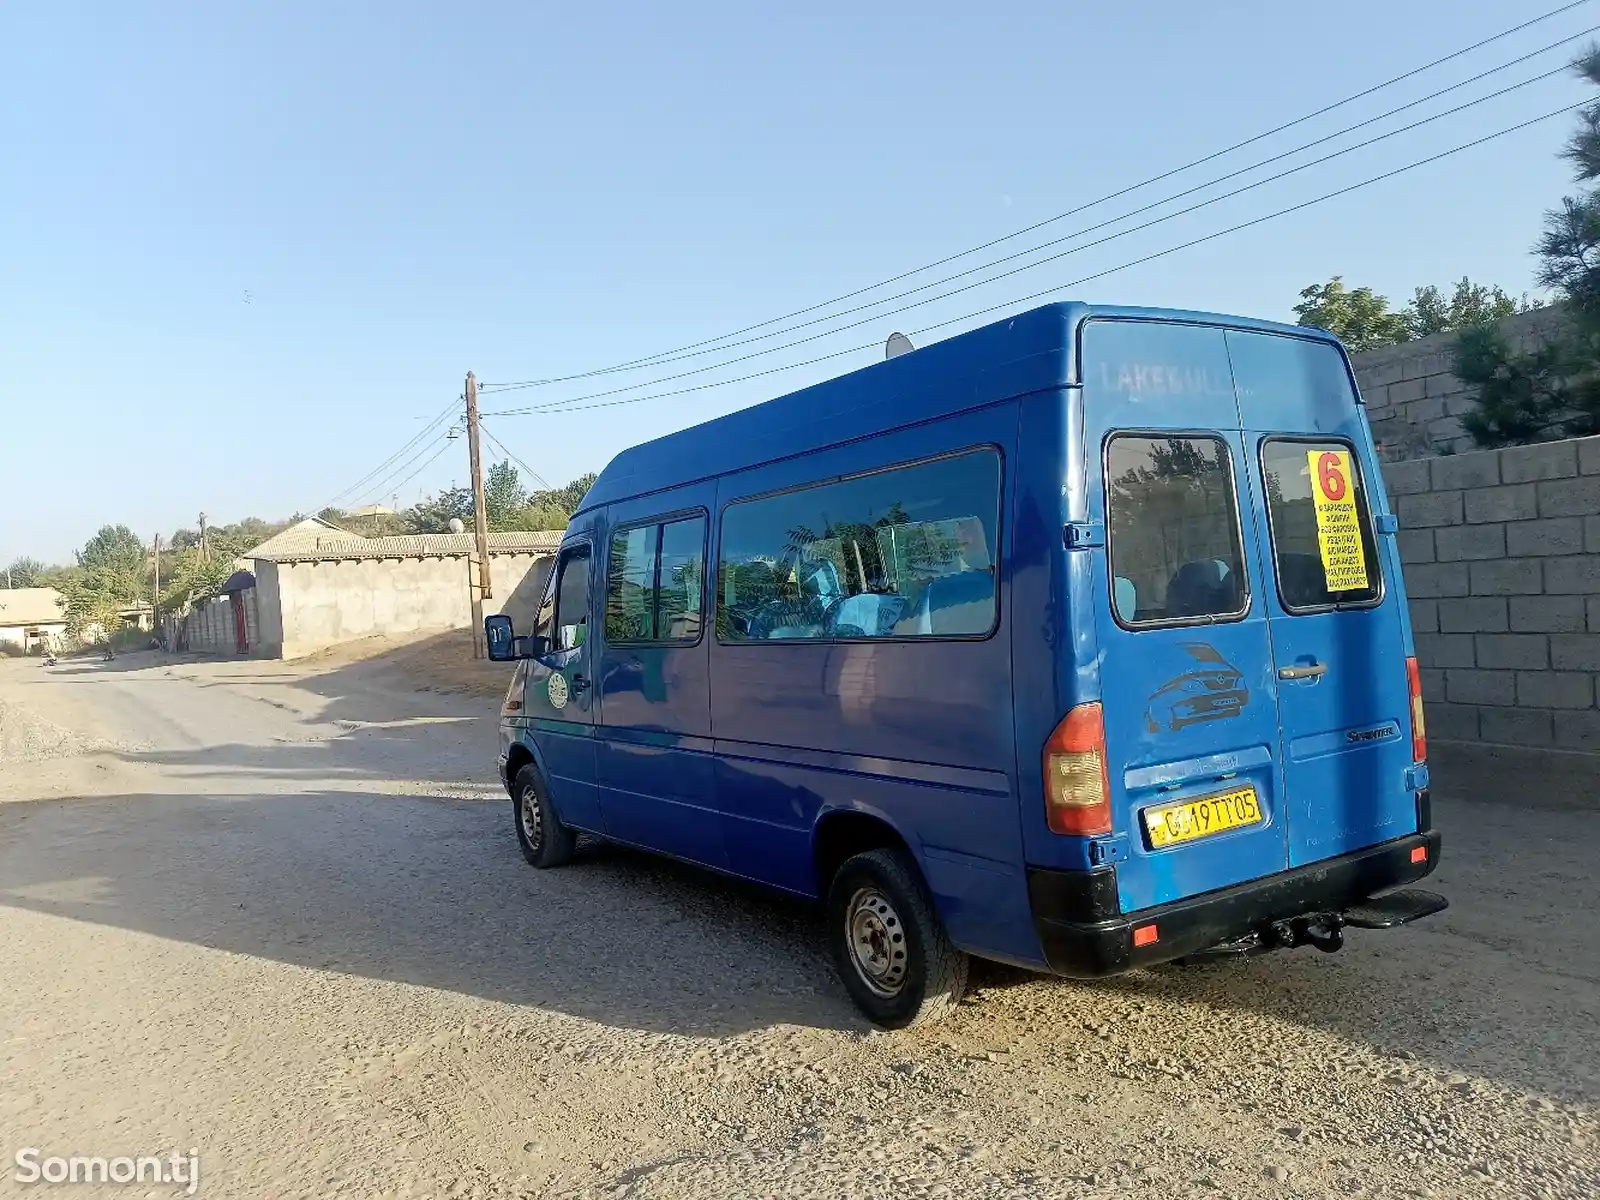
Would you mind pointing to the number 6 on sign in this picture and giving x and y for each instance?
(1344, 560)
(1331, 474)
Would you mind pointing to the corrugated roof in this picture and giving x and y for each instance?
(30, 606)
(303, 535)
(420, 545)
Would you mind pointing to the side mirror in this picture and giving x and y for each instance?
(499, 637)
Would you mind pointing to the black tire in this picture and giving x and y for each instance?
(545, 841)
(890, 948)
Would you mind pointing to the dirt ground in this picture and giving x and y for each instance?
(275, 914)
(439, 662)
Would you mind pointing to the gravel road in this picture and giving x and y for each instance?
(279, 918)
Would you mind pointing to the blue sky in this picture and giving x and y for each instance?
(247, 251)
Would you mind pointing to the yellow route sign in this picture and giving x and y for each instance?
(1344, 561)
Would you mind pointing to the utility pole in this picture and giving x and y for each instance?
(481, 590)
(155, 600)
(205, 549)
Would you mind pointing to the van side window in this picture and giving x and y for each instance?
(1300, 556)
(680, 592)
(655, 582)
(903, 553)
(1173, 522)
(572, 600)
(631, 585)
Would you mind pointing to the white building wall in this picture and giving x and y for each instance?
(307, 606)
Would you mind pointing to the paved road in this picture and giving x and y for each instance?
(279, 918)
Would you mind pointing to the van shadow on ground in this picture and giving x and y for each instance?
(434, 893)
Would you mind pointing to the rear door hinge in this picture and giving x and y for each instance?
(1108, 850)
(1080, 535)
(1386, 523)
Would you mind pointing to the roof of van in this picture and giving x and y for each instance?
(1024, 353)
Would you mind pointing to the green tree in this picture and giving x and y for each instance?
(189, 577)
(111, 577)
(504, 498)
(1552, 390)
(1470, 304)
(552, 509)
(1361, 318)
(24, 572)
(567, 498)
(433, 514)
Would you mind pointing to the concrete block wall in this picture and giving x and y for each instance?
(210, 628)
(1414, 400)
(308, 606)
(1501, 551)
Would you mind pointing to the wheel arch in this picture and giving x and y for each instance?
(519, 755)
(841, 833)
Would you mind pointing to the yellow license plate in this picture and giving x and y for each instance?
(1169, 824)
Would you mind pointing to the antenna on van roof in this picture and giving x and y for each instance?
(897, 344)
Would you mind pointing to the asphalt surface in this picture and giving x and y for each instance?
(278, 918)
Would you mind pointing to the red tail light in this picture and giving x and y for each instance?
(1419, 727)
(1077, 791)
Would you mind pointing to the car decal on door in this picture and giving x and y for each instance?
(1211, 689)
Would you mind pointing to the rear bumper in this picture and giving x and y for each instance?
(1072, 910)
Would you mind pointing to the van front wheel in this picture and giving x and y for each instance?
(545, 841)
(891, 950)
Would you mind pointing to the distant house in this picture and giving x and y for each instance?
(31, 619)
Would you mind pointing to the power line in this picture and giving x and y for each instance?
(356, 487)
(561, 404)
(1132, 213)
(425, 465)
(1210, 237)
(386, 483)
(650, 359)
(534, 475)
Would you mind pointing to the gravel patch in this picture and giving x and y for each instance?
(28, 738)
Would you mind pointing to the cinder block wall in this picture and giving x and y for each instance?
(1502, 563)
(308, 606)
(1414, 400)
(211, 629)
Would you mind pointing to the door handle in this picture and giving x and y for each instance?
(1310, 671)
(579, 684)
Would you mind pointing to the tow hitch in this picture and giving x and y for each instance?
(1325, 931)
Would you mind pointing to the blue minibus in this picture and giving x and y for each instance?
(1078, 641)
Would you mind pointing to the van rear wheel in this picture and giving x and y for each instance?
(890, 948)
(545, 841)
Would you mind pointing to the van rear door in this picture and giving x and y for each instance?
(1334, 596)
(1185, 655)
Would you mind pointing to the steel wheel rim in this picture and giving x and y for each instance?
(876, 937)
(528, 814)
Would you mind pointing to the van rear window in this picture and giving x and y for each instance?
(904, 553)
(1173, 520)
(1327, 557)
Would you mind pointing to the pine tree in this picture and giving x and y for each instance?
(1552, 391)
